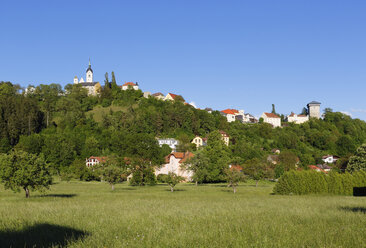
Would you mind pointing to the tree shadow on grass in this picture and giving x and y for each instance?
(40, 235)
(129, 188)
(58, 195)
(354, 209)
(175, 190)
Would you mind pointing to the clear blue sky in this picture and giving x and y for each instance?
(220, 54)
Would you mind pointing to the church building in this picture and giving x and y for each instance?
(92, 87)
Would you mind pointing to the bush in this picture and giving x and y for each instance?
(143, 176)
(312, 182)
(162, 178)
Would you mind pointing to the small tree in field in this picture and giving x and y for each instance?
(172, 180)
(112, 174)
(23, 170)
(233, 177)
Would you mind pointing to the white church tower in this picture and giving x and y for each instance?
(89, 74)
(76, 80)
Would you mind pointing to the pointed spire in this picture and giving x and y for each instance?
(89, 63)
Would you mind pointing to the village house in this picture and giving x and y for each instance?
(297, 119)
(276, 151)
(233, 114)
(147, 94)
(233, 167)
(172, 97)
(199, 142)
(272, 119)
(330, 159)
(248, 118)
(158, 96)
(92, 161)
(130, 85)
(225, 137)
(172, 143)
(93, 88)
(273, 159)
(174, 162)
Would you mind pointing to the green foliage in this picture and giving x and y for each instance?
(162, 178)
(312, 182)
(233, 177)
(358, 161)
(23, 170)
(142, 173)
(112, 174)
(172, 180)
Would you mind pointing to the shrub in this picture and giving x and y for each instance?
(312, 182)
(162, 178)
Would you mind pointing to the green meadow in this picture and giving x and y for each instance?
(89, 214)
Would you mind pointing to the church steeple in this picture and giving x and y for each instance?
(89, 74)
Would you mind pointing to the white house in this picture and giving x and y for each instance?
(158, 95)
(130, 85)
(92, 87)
(233, 114)
(92, 161)
(198, 141)
(272, 119)
(172, 143)
(174, 162)
(297, 119)
(330, 159)
(248, 118)
(225, 137)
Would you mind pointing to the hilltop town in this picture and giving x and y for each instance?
(179, 149)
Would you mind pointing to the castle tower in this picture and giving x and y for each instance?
(76, 80)
(314, 109)
(89, 74)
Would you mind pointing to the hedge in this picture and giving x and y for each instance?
(312, 182)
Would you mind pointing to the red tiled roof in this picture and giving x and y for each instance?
(230, 111)
(158, 94)
(100, 159)
(292, 115)
(236, 167)
(224, 134)
(172, 95)
(271, 115)
(179, 155)
(129, 83)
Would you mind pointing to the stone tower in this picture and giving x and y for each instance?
(89, 74)
(314, 109)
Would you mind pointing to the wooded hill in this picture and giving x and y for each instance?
(68, 126)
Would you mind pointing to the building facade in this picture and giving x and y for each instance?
(92, 87)
(172, 143)
(174, 162)
(314, 109)
(297, 119)
(130, 85)
(272, 119)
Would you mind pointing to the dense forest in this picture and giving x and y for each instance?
(67, 126)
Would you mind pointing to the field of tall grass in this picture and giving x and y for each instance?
(89, 214)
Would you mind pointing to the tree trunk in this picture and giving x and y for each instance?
(256, 184)
(112, 186)
(171, 188)
(27, 195)
(234, 188)
(196, 183)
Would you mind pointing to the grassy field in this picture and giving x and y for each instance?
(81, 214)
(99, 111)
